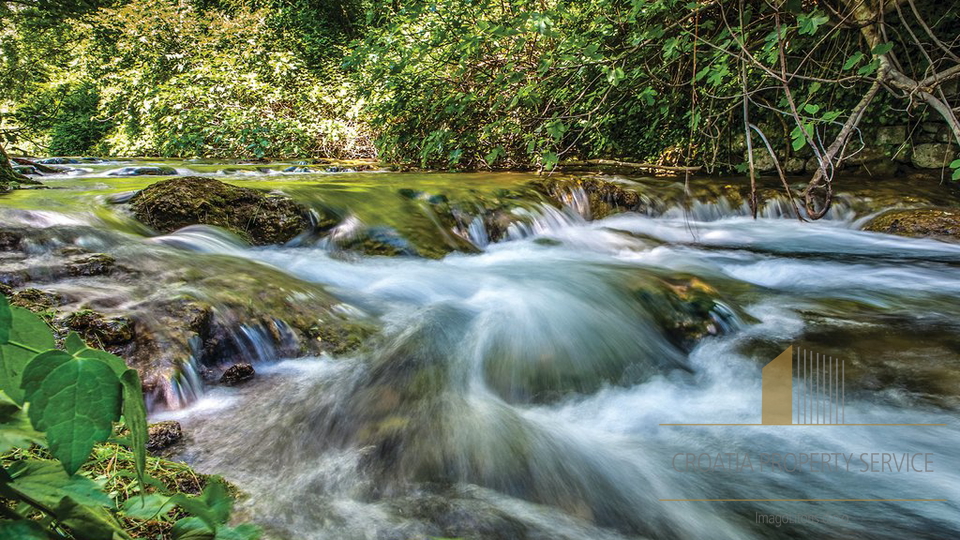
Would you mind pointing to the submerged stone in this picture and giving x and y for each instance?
(98, 264)
(237, 374)
(144, 171)
(261, 219)
(58, 161)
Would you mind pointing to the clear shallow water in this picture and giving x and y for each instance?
(519, 392)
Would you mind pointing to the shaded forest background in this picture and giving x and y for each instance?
(478, 84)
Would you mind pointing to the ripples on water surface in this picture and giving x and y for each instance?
(518, 392)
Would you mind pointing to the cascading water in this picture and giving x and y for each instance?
(519, 392)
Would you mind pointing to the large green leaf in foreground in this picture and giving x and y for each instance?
(15, 427)
(6, 319)
(74, 400)
(30, 331)
(134, 408)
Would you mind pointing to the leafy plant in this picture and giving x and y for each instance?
(67, 402)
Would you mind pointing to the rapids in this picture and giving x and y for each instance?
(519, 391)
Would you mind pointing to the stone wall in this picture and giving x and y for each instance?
(877, 150)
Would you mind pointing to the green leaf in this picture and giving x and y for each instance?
(956, 175)
(117, 364)
(135, 416)
(74, 400)
(810, 108)
(853, 61)
(74, 343)
(6, 320)
(494, 155)
(809, 24)
(191, 528)
(15, 428)
(45, 481)
(88, 521)
(550, 160)
(869, 68)
(151, 506)
(212, 506)
(955, 164)
(218, 500)
(31, 331)
(882, 49)
(22, 530)
(245, 531)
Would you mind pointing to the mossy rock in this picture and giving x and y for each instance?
(98, 330)
(939, 223)
(36, 300)
(340, 338)
(163, 435)
(97, 264)
(261, 219)
(605, 197)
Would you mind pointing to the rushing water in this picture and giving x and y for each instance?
(519, 392)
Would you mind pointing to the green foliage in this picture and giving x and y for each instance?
(76, 128)
(448, 83)
(69, 403)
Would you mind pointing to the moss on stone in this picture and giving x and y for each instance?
(259, 218)
(939, 223)
(605, 197)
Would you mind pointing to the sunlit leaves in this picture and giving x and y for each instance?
(870, 68)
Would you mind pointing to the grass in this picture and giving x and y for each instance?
(112, 466)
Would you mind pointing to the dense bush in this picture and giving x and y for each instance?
(473, 83)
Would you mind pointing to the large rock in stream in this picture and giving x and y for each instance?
(940, 223)
(257, 217)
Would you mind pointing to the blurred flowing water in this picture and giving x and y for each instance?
(518, 392)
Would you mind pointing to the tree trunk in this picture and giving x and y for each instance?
(866, 14)
(7, 175)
